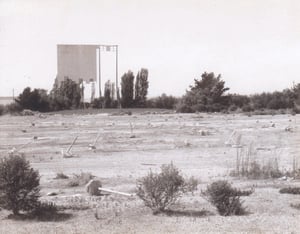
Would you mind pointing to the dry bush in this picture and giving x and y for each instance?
(290, 190)
(61, 175)
(160, 190)
(80, 179)
(225, 198)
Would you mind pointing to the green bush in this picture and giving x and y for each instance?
(160, 190)
(19, 185)
(225, 198)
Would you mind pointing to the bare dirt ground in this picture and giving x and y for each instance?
(129, 146)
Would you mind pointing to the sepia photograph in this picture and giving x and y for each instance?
(149, 116)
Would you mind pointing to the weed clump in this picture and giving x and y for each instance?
(160, 190)
(225, 198)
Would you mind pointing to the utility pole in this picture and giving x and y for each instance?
(117, 83)
(100, 95)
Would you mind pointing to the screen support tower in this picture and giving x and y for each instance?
(109, 48)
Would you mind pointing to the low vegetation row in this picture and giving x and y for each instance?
(208, 94)
(20, 191)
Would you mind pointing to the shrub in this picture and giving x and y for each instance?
(247, 108)
(80, 179)
(13, 108)
(183, 108)
(290, 190)
(35, 100)
(2, 109)
(73, 183)
(160, 190)
(164, 102)
(61, 175)
(19, 184)
(206, 95)
(225, 198)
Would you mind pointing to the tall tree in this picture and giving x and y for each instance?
(66, 95)
(108, 94)
(127, 81)
(296, 95)
(207, 94)
(141, 88)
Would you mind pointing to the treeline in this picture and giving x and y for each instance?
(69, 95)
(208, 94)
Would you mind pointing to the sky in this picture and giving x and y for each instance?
(253, 44)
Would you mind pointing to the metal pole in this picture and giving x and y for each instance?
(117, 84)
(100, 72)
